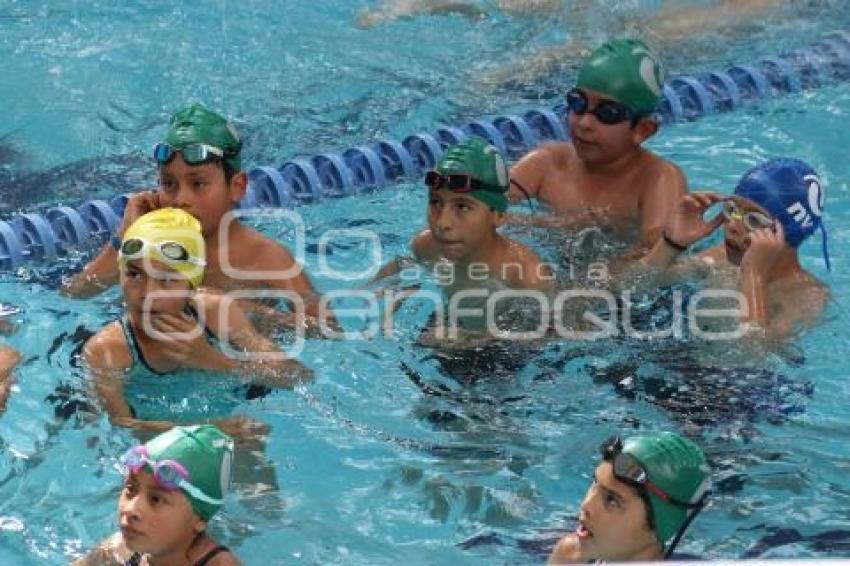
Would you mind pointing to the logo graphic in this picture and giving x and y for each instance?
(816, 195)
(650, 70)
(501, 169)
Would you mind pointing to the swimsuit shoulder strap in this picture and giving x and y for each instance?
(133, 343)
(130, 337)
(205, 559)
(134, 560)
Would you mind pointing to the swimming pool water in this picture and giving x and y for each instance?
(365, 466)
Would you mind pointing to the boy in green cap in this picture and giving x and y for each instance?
(200, 171)
(467, 200)
(174, 484)
(645, 493)
(603, 176)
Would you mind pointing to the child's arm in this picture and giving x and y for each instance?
(659, 202)
(9, 358)
(793, 307)
(185, 345)
(683, 227)
(528, 173)
(101, 273)
(107, 358)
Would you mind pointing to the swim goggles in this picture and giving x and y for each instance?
(630, 471)
(752, 220)
(135, 248)
(608, 112)
(457, 182)
(194, 154)
(168, 474)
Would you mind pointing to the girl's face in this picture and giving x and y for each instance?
(154, 520)
(142, 277)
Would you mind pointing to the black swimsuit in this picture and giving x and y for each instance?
(136, 559)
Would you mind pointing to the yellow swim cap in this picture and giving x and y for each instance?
(169, 235)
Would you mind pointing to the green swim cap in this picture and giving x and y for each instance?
(206, 453)
(678, 467)
(627, 70)
(196, 124)
(483, 162)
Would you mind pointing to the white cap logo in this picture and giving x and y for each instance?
(501, 169)
(649, 70)
(816, 197)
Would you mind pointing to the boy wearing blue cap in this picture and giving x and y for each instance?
(603, 175)
(774, 208)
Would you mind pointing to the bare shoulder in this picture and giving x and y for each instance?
(108, 349)
(656, 168)
(9, 358)
(424, 247)
(566, 551)
(255, 247)
(110, 551)
(533, 273)
(550, 153)
(225, 559)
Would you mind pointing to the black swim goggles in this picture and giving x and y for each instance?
(608, 112)
(135, 248)
(457, 182)
(630, 471)
(193, 154)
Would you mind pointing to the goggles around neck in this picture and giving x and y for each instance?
(608, 112)
(193, 154)
(752, 220)
(168, 474)
(135, 248)
(457, 183)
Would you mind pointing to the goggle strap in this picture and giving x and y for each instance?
(198, 494)
(698, 506)
(824, 245)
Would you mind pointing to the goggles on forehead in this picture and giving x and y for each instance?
(752, 220)
(168, 474)
(135, 248)
(457, 182)
(193, 154)
(608, 112)
(630, 471)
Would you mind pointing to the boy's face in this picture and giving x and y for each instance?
(597, 143)
(612, 521)
(461, 224)
(139, 280)
(736, 233)
(154, 520)
(201, 190)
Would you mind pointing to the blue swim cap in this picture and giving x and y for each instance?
(792, 193)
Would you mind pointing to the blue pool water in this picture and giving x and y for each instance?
(364, 465)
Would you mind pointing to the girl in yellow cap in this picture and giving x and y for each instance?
(170, 324)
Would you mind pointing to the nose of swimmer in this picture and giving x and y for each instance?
(130, 510)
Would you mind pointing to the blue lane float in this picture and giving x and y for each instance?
(367, 167)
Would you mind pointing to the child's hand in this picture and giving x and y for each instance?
(686, 224)
(765, 246)
(186, 346)
(138, 205)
